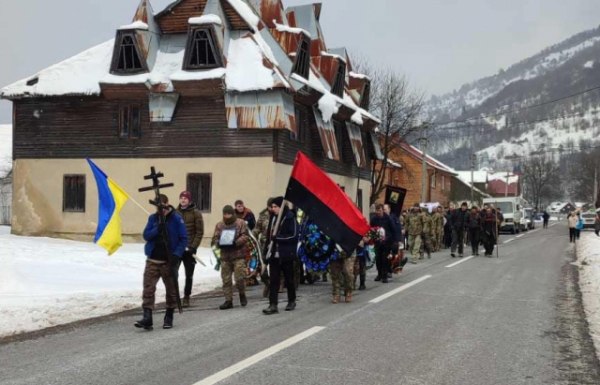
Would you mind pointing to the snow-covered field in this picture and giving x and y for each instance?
(46, 282)
(588, 259)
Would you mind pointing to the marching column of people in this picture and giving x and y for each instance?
(174, 236)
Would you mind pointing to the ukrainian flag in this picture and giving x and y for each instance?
(111, 198)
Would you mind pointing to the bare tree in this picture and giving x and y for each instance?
(540, 173)
(398, 105)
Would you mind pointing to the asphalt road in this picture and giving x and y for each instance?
(511, 320)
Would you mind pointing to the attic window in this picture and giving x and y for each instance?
(127, 56)
(33, 82)
(201, 51)
(302, 65)
(340, 80)
(365, 100)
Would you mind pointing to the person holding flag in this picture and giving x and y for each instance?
(158, 266)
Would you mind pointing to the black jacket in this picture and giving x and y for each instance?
(459, 219)
(474, 221)
(398, 228)
(386, 223)
(286, 240)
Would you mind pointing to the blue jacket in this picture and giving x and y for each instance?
(176, 230)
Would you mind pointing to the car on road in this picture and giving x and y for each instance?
(529, 218)
(512, 210)
(589, 220)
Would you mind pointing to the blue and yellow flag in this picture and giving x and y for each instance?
(111, 198)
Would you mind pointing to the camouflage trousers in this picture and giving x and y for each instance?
(415, 246)
(342, 272)
(236, 268)
(152, 273)
(439, 239)
(427, 243)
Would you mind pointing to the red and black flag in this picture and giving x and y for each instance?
(326, 204)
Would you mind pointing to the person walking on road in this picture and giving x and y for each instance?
(342, 273)
(263, 235)
(158, 265)
(414, 226)
(384, 247)
(448, 227)
(489, 232)
(572, 220)
(458, 223)
(231, 235)
(282, 257)
(194, 224)
(546, 218)
(474, 225)
(438, 228)
(426, 235)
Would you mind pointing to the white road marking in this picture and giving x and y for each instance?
(400, 289)
(533, 231)
(519, 236)
(461, 261)
(508, 241)
(228, 372)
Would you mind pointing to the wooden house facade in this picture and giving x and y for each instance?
(219, 95)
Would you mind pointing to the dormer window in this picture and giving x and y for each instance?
(302, 65)
(201, 52)
(365, 100)
(340, 80)
(127, 58)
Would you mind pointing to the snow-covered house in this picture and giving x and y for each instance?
(219, 95)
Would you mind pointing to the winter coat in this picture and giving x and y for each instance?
(474, 221)
(427, 224)
(387, 224)
(286, 240)
(238, 251)
(458, 220)
(397, 227)
(546, 216)
(248, 217)
(573, 220)
(437, 221)
(194, 224)
(262, 226)
(177, 234)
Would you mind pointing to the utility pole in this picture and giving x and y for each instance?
(424, 142)
(507, 180)
(473, 160)
(595, 184)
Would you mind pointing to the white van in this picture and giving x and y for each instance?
(512, 210)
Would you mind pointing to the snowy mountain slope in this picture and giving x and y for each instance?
(571, 67)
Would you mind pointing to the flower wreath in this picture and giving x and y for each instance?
(316, 249)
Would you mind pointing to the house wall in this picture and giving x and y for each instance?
(5, 201)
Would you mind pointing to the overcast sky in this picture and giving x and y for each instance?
(440, 44)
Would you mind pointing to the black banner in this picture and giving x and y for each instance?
(394, 196)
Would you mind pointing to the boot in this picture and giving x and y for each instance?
(363, 278)
(186, 301)
(348, 297)
(272, 309)
(290, 306)
(146, 322)
(226, 305)
(378, 278)
(168, 319)
(336, 299)
(243, 299)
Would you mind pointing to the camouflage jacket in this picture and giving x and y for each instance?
(238, 250)
(438, 221)
(262, 226)
(415, 223)
(427, 224)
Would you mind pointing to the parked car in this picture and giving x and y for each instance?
(589, 220)
(539, 220)
(529, 218)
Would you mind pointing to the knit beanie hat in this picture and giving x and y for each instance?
(186, 194)
(278, 201)
(228, 210)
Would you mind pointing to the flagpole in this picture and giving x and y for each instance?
(276, 229)
(138, 205)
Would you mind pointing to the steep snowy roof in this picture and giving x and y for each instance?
(6, 151)
(478, 176)
(431, 161)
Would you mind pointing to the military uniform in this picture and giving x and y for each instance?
(414, 228)
(260, 233)
(426, 236)
(438, 230)
(342, 272)
(233, 257)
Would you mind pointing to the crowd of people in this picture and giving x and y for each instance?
(419, 231)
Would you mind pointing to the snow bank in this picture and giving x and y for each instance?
(588, 260)
(46, 282)
(245, 68)
(5, 149)
(205, 19)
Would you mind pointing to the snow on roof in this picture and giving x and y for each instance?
(357, 118)
(5, 149)
(205, 19)
(391, 162)
(135, 25)
(245, 12)
(287, 28)
(502, 176)
(214, 73)
(245, 68)
(478, 176)
(412, 150)
(333, 55)
(328, 106)
(77, 75)
(359, 76)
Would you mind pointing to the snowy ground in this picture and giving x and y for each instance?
(588, 259)
(46, 282)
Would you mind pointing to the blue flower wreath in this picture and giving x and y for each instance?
(316, 249)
